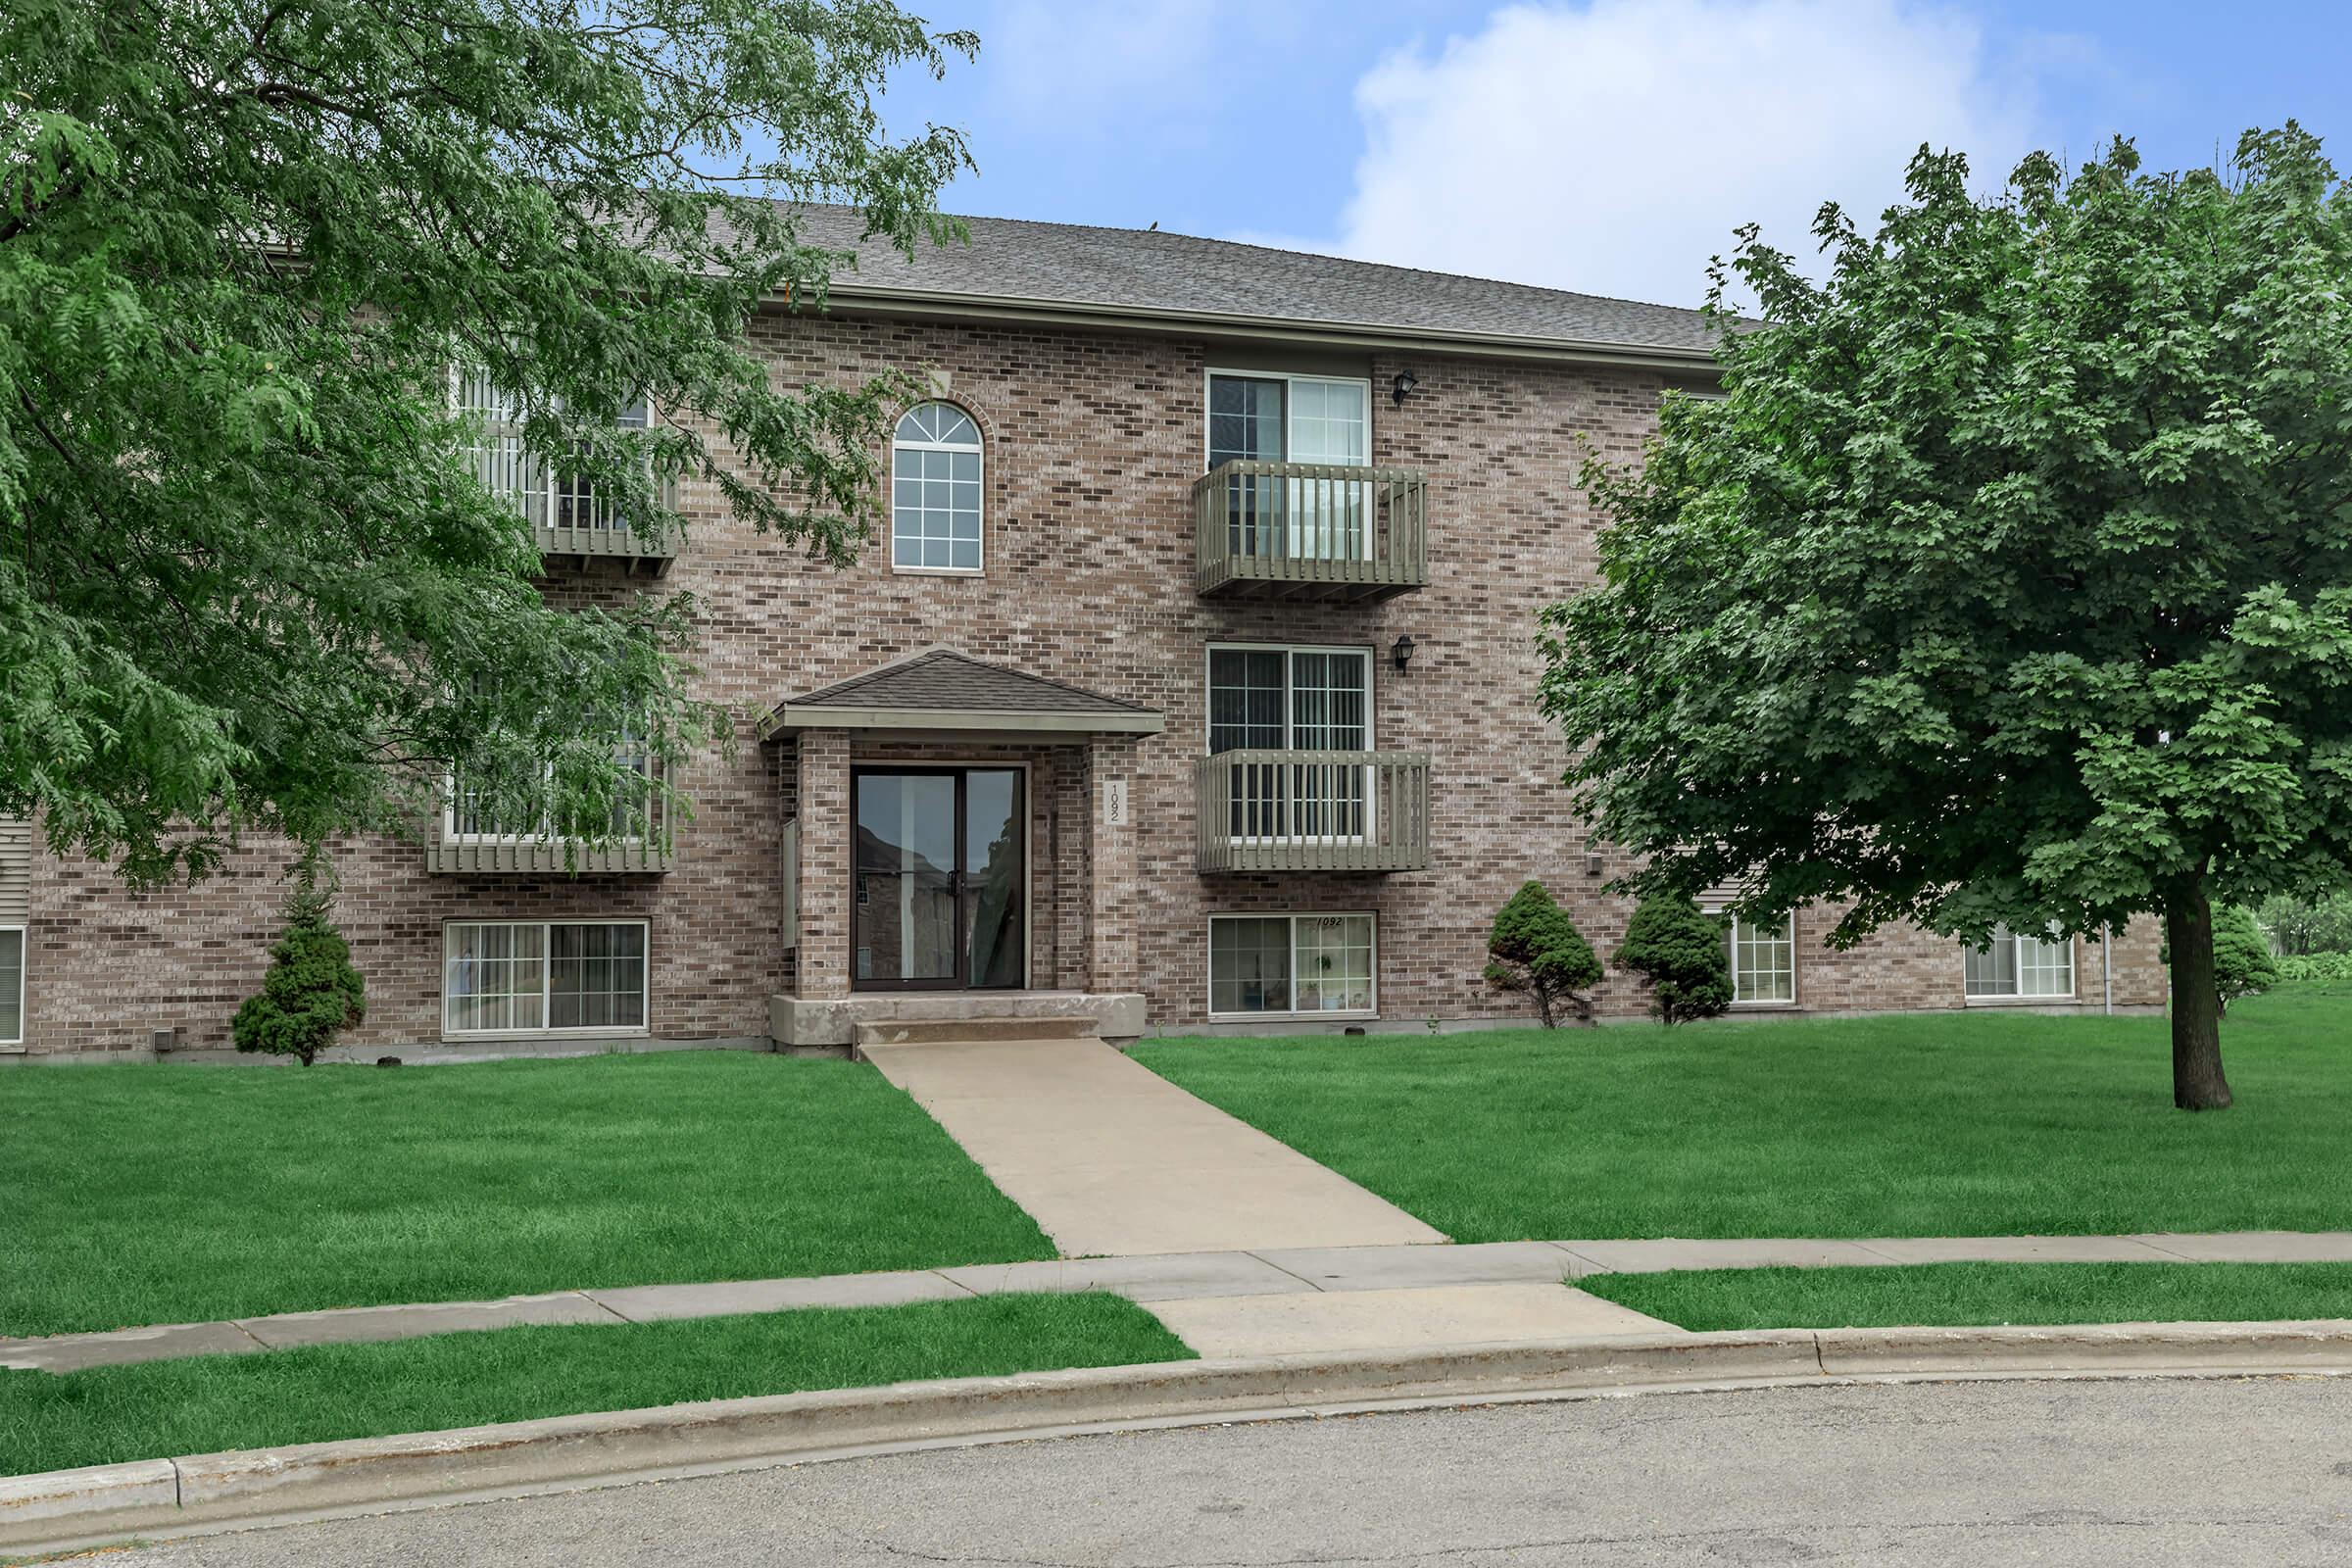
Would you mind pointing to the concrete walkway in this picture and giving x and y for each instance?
(1113, 1160)
(1401, 1275)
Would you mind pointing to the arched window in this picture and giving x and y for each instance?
(935, 490)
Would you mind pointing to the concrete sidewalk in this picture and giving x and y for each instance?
(1160, 1280)
(1113, 1160)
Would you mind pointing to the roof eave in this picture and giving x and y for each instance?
(793, 717)
(853, 297)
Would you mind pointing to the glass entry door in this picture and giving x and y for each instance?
(939, 879)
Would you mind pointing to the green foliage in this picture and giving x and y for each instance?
(1681, 953)
(247, 579)
(2012, 579)
(1536, 949)
(2315, 967)
(2242, 966)
(310, 993)
(2297, 925)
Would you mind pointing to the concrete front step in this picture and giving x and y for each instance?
(936, 1031)
(800, 1023)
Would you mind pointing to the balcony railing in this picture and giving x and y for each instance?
(577, 546)
(468, 842)
(1309, 530)
(572, 520)
(1314, 812)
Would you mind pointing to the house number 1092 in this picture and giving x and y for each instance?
(1115, 802)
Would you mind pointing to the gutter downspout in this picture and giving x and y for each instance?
(2107, 964)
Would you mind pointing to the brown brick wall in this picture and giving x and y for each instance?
(1094, 440)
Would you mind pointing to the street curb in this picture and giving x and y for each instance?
(159, 1497)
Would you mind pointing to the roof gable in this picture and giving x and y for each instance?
(940, 688)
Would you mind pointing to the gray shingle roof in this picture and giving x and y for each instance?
(942, 681)
(1016, 260)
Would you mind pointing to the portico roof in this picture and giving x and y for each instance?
(942, 689)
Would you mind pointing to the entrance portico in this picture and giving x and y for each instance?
(957, 847)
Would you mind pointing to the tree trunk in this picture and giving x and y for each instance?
(2198, 1081)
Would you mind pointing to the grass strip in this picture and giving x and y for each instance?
(202, 1404)
(1977, 1123)
(1980, 1294)
(174, 1194)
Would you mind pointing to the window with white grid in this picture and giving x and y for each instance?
(1763, 961)
(517, 976)
(2013, 965)
(935, 490)
(1292, 963)
(1333, 960)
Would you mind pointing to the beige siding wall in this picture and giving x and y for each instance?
(16, 871)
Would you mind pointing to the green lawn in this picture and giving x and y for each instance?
(1983, 1292)
(1967, 1124)
(202, 1404)
(168, 1194)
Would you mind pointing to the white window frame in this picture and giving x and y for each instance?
(1291, 381)
(449, 930)
(1290, 724)
(1208, 964)
(1289, 403)
(979, 451)
(23, 938)
(2017, 969)
(1730, 936)
(534, 481)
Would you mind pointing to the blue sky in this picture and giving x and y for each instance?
(1608, 145)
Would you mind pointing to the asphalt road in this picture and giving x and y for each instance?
(1951, 1475)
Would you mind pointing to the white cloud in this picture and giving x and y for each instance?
(1612, 147)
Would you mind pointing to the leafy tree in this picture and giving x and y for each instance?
(2298, 926)
(312, 993)
(1681, 953)
(1536, 949)
(2011, 582)
(247, 580)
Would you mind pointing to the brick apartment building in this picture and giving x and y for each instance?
(1190, 687)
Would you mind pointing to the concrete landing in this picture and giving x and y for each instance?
(1111, 1160)
(1419, 1318)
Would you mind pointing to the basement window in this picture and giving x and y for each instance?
(507, 977)
(2020, 967)
(1294, 964)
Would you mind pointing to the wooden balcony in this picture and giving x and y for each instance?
(642, 850)
(1313, 812)
(1309, 530)
(574, 548)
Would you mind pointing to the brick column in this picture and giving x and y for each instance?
(1115, 887)
(825, 843)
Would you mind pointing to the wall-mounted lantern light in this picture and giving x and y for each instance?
(1401, 651)
(1401, 384)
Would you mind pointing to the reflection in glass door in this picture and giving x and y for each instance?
(938, 878)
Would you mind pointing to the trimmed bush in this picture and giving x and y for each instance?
(1536, 949)
(1681, 953)
(2242, 964)
(312, 993)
